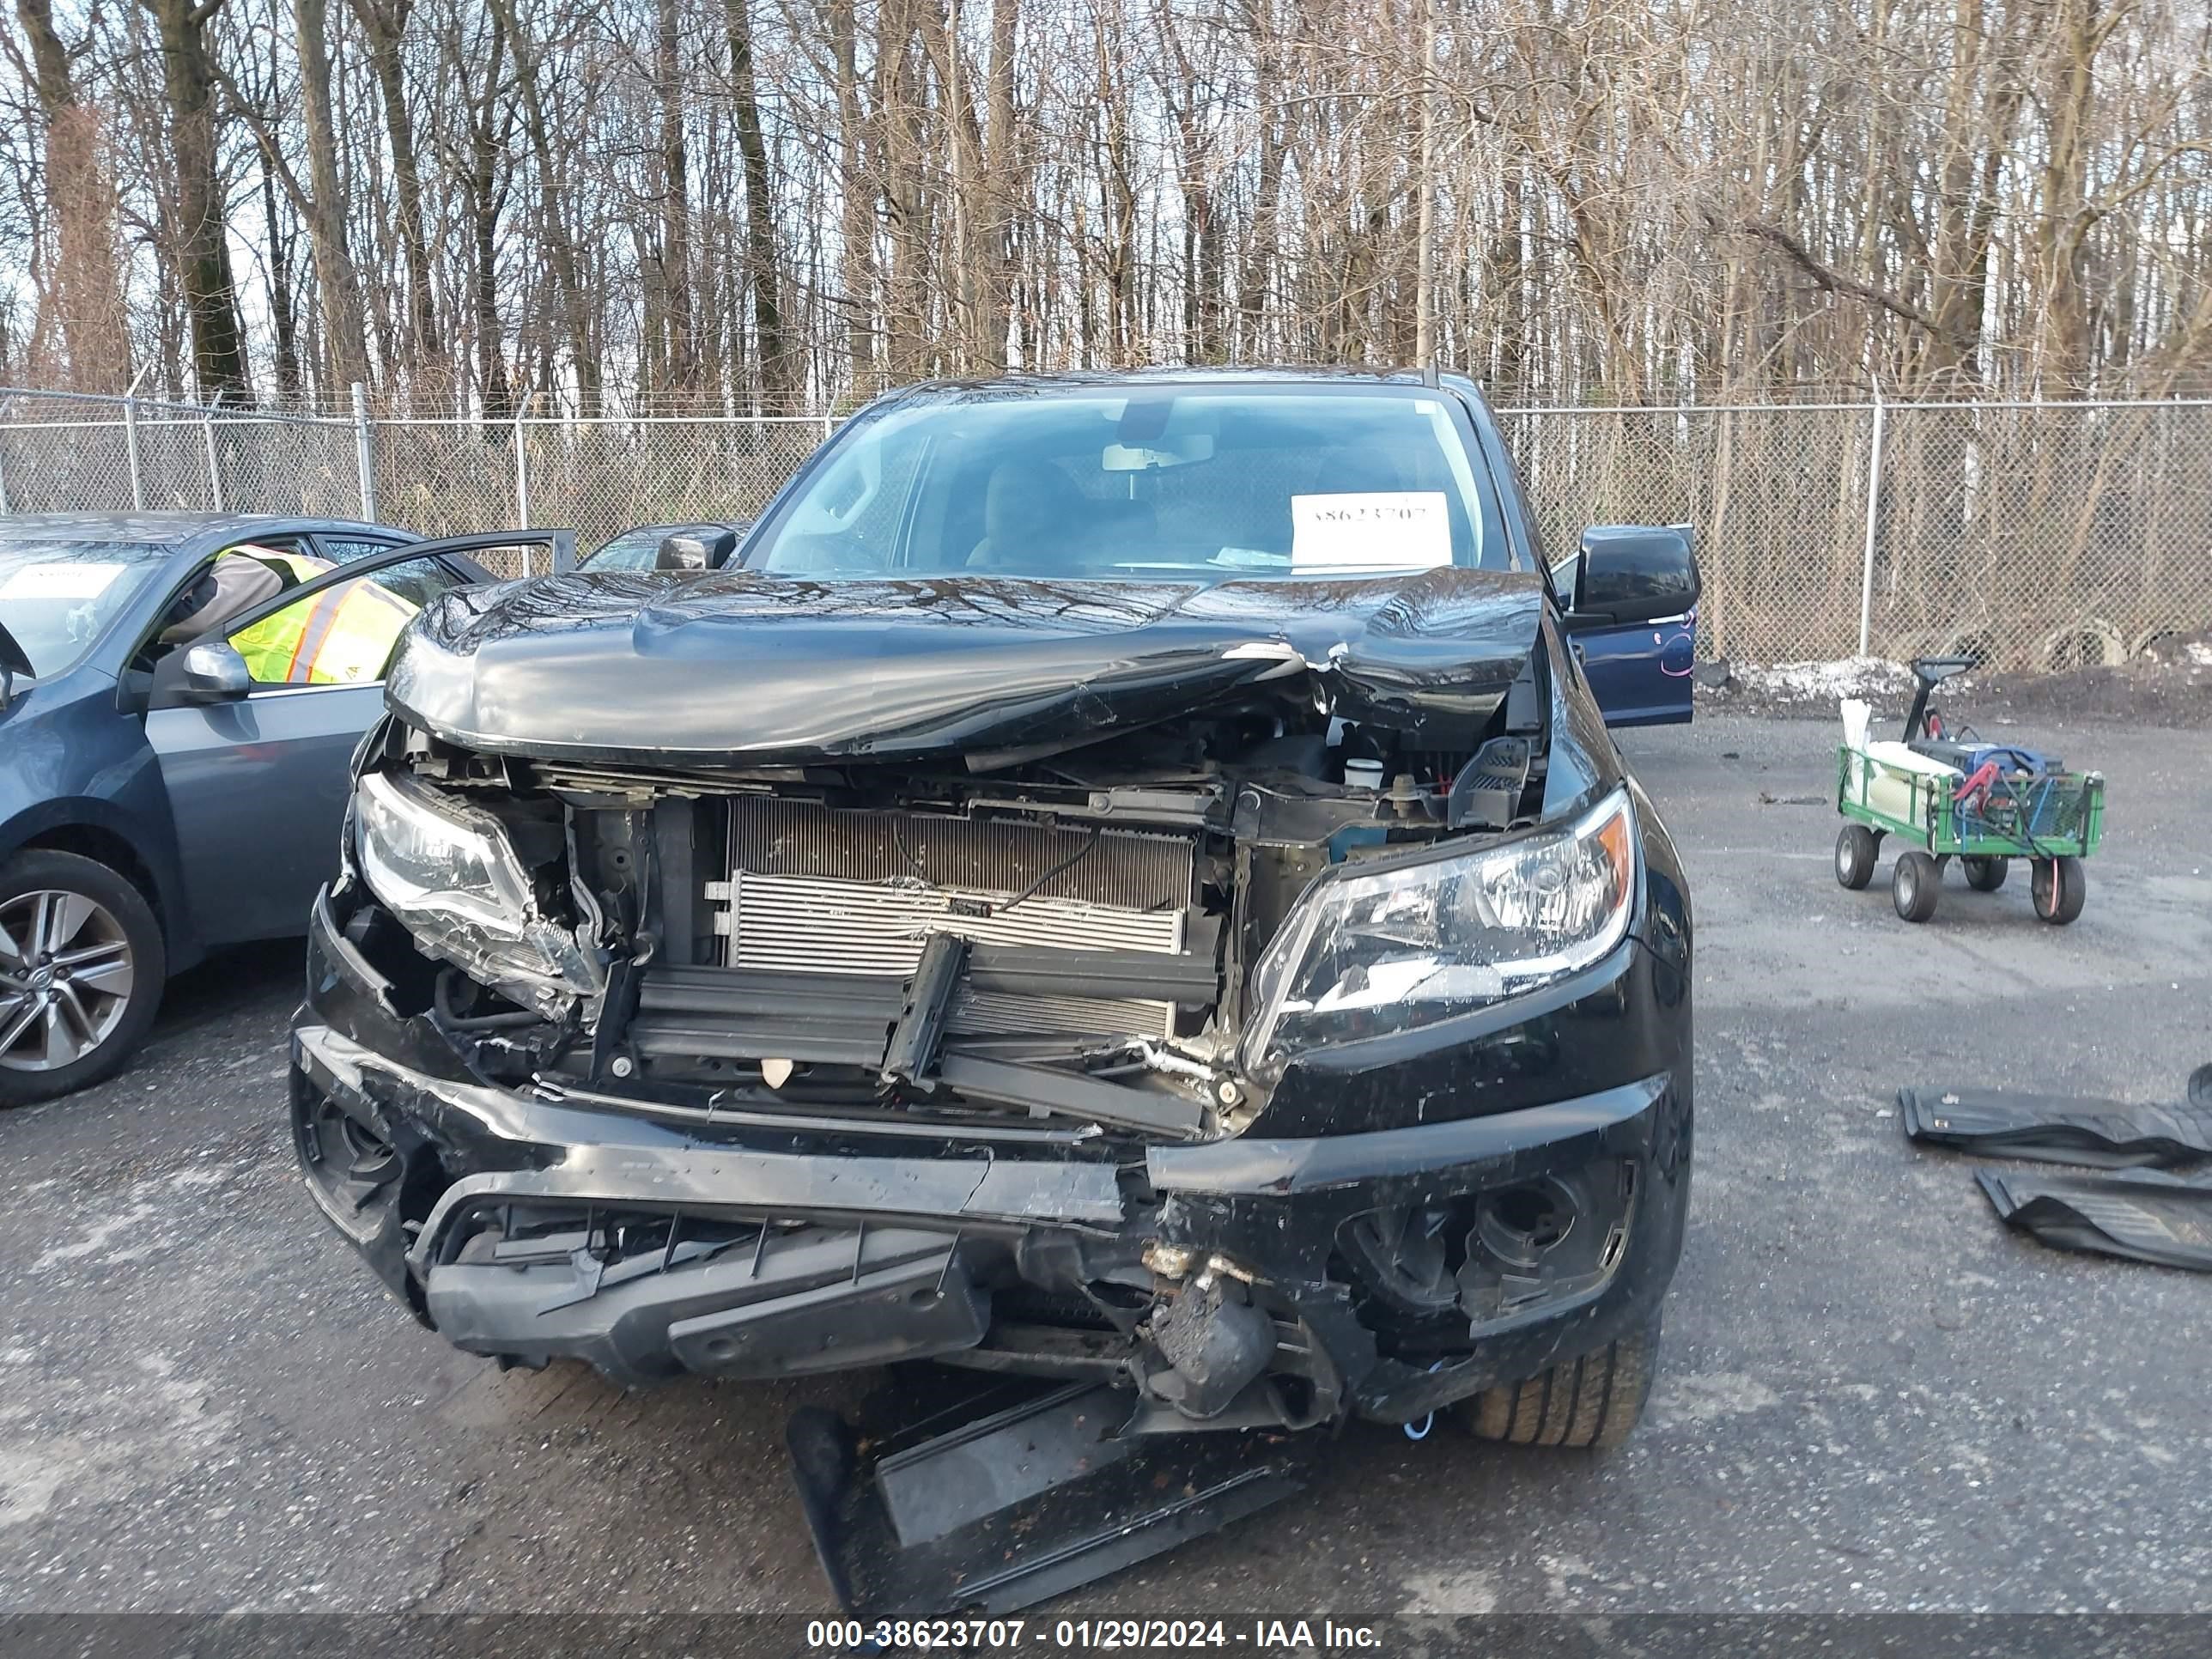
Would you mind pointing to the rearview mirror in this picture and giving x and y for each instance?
(1151, 456)
(687, 550)
(215, 672)
(1631, 573)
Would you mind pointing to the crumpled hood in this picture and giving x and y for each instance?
(739, 667)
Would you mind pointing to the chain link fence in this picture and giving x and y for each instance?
(2038, 536)
(60, 453)
(2035, 536)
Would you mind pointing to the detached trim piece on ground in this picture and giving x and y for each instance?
(2142, 1215)
(2099, 1134)
(2138, 1213)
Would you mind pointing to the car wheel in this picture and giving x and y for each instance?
(2060, 888)
(1987, 875)
(1590, 1403)
(1914, 885)
(1856, 852)
(81, 971)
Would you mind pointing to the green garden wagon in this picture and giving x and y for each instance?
(1984, 818)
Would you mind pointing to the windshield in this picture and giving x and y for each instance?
(1165, 480)
(57, 597)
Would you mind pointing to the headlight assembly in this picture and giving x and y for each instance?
(449, 875)
(1366, 953)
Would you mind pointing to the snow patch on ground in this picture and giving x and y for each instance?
(1811, 682)
(1455, 1592)
(97, 1238)
(2199, 654)
(64, 1441)
(1560, 1574)
(1692, 1398)
(142, 1218)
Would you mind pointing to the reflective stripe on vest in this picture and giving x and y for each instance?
(350, 641)
(322, 615)
(341, 637)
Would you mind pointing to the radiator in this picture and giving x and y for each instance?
(818, 890)
(995, 856)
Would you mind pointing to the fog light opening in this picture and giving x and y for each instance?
(349, 1158)
(1524, 1222)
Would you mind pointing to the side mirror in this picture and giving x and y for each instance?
(684, 553)
(213, 673)
(1632, 572)
(688, 551)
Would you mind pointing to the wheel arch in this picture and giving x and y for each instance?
(91, 830)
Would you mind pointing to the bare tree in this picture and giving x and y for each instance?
(201, 249)
(783, 202)
(344, 339)
(81, 295)
(778, 367)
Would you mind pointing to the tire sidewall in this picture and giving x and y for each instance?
(1914, 879)
(2058, 888)
(42, 867)
(1855, 853)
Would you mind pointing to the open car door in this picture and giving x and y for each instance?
(1631, 593)
(255, 724)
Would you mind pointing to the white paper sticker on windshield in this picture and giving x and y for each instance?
(59, 581)
(1382, 529)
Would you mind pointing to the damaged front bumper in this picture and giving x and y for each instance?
(1251, 1281)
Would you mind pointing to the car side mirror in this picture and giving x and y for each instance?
(684, 553)
(1631, 573)
(213, 673)
(687, 551)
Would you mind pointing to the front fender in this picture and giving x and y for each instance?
(75, 769)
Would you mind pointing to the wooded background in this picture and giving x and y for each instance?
(772, 206)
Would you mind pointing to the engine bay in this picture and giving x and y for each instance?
(1070, 935)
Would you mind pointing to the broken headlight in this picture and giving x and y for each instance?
(1368, 952)
(450, 874)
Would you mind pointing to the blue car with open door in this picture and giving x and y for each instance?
(174, 747)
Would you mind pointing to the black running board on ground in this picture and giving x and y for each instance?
(2103, 1134)
(2143, 1215)
(1014, 1494)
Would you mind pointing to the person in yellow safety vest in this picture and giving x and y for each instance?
(341, 636)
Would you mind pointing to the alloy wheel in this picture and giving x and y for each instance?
(65, 978)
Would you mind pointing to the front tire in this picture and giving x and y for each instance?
(2060, 888)
(1857, 849)
(1915, 884)
(1590, 1404)
(82, 964)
